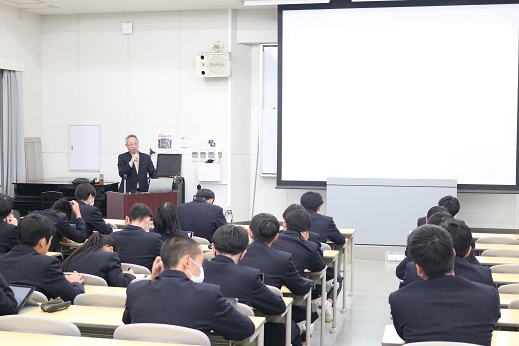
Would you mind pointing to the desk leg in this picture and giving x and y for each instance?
(352, 292)
(308, 317)
(335, 273)
(323, 299)
(288, 327)
(260, 339)
(344, 280)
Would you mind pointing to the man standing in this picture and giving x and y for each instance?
(135, 166)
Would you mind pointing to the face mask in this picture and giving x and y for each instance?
(197, 278)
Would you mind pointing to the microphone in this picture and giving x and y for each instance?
(136, 153)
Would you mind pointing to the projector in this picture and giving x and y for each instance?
(213, 64)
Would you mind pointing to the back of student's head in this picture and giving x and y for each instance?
(166, 219)
(430, 247)
(451, 203)
(33, 227)
(6, 205)
(84, 190)
(438, 218)
(299, 220)
(436, 209)
(177, 247)
(95, 242)
(63, 206)
(205, 194)
(461, 235)
(311, 200)
(230, 240)
(291, 208)
(264, 227)
(139, 212)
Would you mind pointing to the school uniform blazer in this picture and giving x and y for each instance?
(8, 236)
(445, 308)
(145, 167)
(305, 254)
(472, 272)
(421, 221)
(8, 303)
(104, 264)
(25, 266)
(201, 218)
(136, 246)
(244, 283)
(64, 228)
(165, 236)
(93, 219)
(326, 228)
(174, 299)
(276, 266)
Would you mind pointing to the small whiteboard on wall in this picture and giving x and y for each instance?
(84, 148)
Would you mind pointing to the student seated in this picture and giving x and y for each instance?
(448, 202)
(166, 222)
(322, 224)
(442, 306)
(8, 223)
(310, 236)
(8, 303)
(85, 196)
(98, 256)
(136, 244)
(175, 294)
(27, 263)
(60, 214)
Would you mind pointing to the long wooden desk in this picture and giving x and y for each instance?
(331, 258)
(105, 289)
(507, 298)
(491, 261)
(349, 234)
(54, 254)
(304, 300)
(483, 247)
(505, 278)
(509, 318)
(476, 235)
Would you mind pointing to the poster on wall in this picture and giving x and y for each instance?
(185, 144)
(165, 143)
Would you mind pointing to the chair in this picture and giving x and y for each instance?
(505, 268)
(275, 290)
(201, 241)
(137, 269)
(208, 255)
(509, 289)
(151, 332)
(497, 240)
(325, 246)
(49, 197)
(107, 300)
(514, 304)
(37, 325)
(501, 253)
(38, 297)
(244, 309)
(90, 279)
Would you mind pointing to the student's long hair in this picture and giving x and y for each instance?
(166, 219)
(93, 244)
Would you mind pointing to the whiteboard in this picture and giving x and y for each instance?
(85, 148)
(268, 151)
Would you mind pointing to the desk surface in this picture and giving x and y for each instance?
(476, 235)
(505, 278)
(509, 317)
(105, 289)
(507, 298)
(54, 254)
(483, 247)
(490, 261)
(347, 232)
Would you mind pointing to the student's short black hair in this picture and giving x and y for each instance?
(311, 200)
(451, 203)
(436, 209)
(33, 227)
(84, 190)
(63, 206)
(230, 240)
(430, 247)
(299, 220)
(438, 218)
(6, 205)
(205, 194)
(177, 247)
(461, 235)
(291, 208)
(264, 227)
(139, 211)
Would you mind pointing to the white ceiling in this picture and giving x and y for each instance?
(52, 7)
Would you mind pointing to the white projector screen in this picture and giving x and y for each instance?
(423, 92)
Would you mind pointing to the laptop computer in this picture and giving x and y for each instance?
(22, 294)
(161, 185)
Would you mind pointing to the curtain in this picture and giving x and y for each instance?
(11, 134)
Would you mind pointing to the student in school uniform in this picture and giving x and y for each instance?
(85, 196)
(322, 224)
(166, 222)
(8, 223)
(312, 236)
(98, 256)
(8, 303)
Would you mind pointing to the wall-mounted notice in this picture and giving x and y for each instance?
(207, 143)
(185, 144)
(165, 143)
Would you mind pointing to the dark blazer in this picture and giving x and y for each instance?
(326, 228)
(243, 283)
(201, 218)
(472, 272)
(64, 228)
(276, 266)
(104, 264)
(421, 221)
(174, 299)
(136, 246)
(93, 219)
(8, 236)
(443, 308)
(24, 266)
(145, 167)
(167, 236)
(305, 254)
(8, 303)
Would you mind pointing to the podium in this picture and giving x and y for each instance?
(119, 204)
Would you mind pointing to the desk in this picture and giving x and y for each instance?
(483, 247)
(507, 298)
(305, 300)
(285, 317)
(349, 235)
(509, 318)
(491, 261)
(331, 258)
(120, 224)
(318, 278)
(105, 289)
(504, 278)
(476, 235)
(54, 254)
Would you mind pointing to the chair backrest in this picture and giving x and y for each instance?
(439, 343)
(514, 304)
(38, 297)
(244, 309)
(152, 332)
(275, 290)
(325, 246)
(107, 300)
(501, 253)
(201, 241)
(49, 197)
(509, 289)
(137, 269)
(92, 280)
(38, 325)
(208, 255)
(497, 240)
(505, 268)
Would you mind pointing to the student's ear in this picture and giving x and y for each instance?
(243, 253)
(43, 242)
(468, 252)
(276, 237)
(214, 250)
(251, 235)
(454, 250)
(426, 220)
(420, 272)
(319, 209)
(284, 225)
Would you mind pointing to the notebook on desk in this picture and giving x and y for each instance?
(22, 294)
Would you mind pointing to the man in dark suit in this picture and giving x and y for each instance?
(441, 307)
(201, 216)
(135, 166)
(60, 214)
(28, 264)
(8, 223)
(322, 224)
(85, 196)
(8, 303)
(136, 244)
(175, 294)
